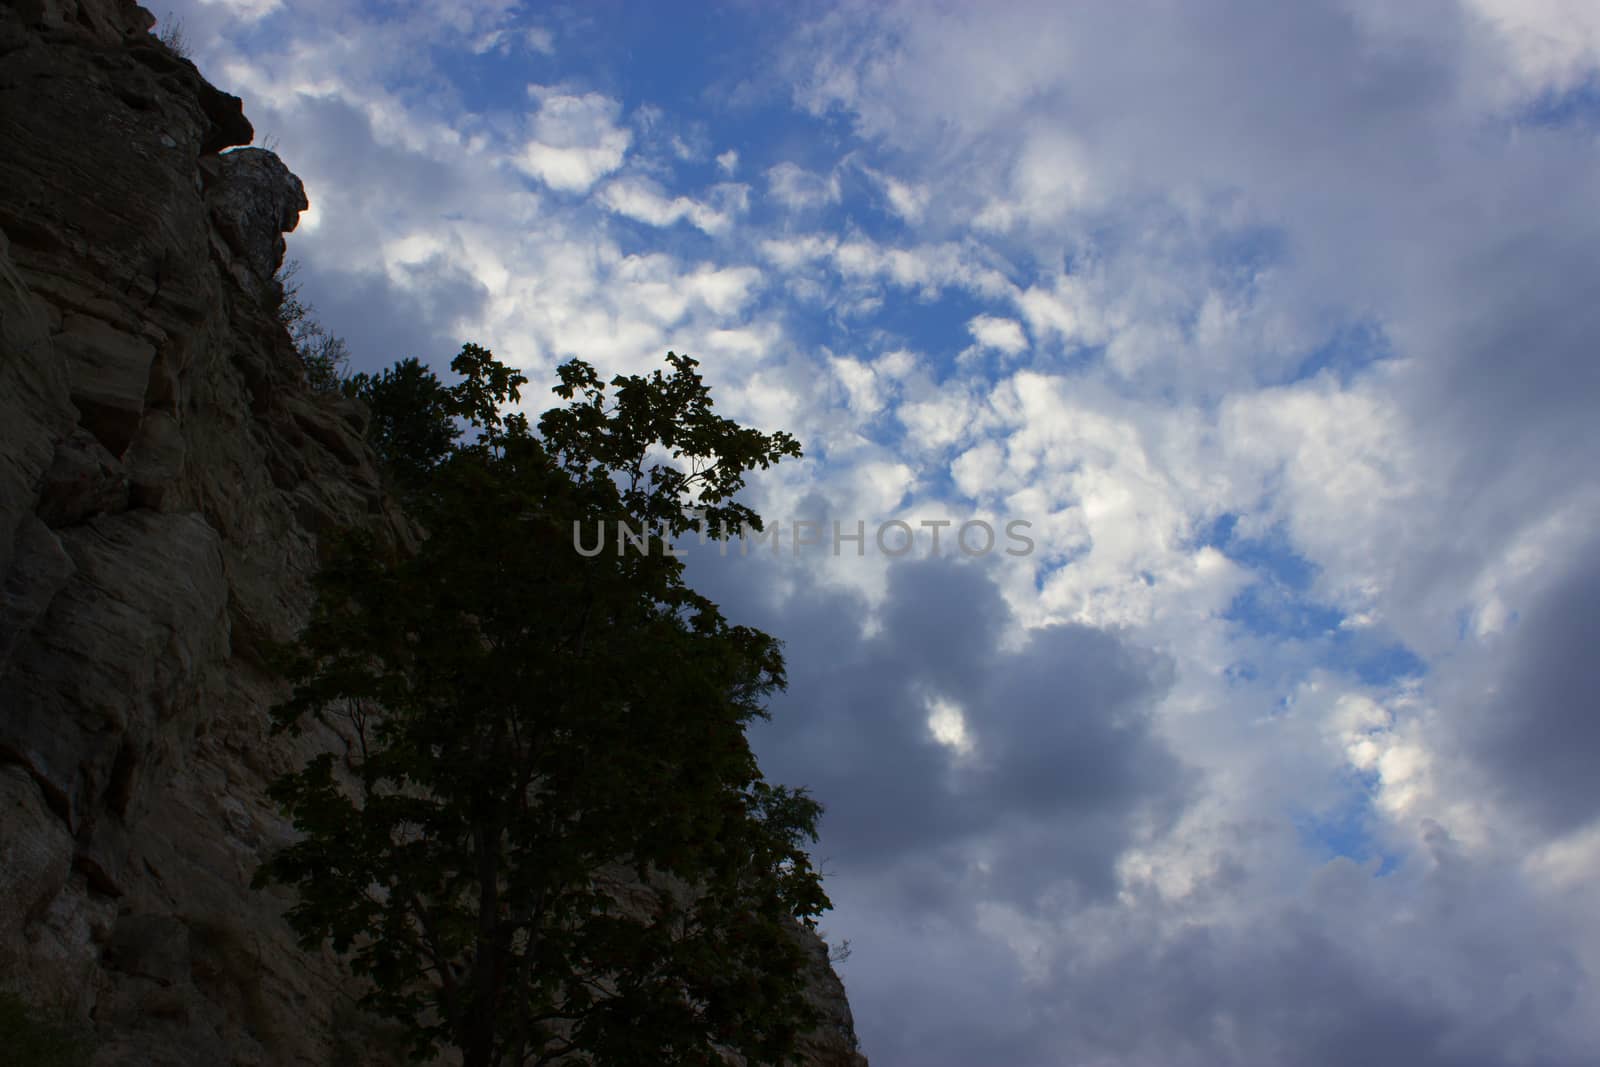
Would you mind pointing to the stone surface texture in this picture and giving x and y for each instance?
(166, 483)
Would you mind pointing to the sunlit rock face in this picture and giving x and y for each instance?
(166, 479)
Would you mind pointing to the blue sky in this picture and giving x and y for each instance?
(1277, 323)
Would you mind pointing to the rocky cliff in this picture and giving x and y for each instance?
(166, 480)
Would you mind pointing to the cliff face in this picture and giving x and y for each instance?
(165, 482)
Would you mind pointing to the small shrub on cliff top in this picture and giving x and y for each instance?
(558, 844)
(169, 31)
(326, 357)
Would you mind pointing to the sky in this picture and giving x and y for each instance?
(1276, 323)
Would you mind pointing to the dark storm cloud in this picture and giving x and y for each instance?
(1442, 967)
(1445, 967)
(1538, 734)
(1062, 761)
(1285, 993)
(383, 322)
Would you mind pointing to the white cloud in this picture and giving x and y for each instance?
(926, 268)
(642, 199)
(1049, 181)
(1345, 473)
(728, 162)
(908, 200)
(725, 291)
(799, 189)
(948, 726)
(503, 39)
(1068, 309)
(574, 140)
(1003, 335)
(860, 383)
(789, 253)
(885, 484)
(251, 10)
(540, 40)
(1554, 45)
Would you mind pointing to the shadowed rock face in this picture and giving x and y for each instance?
(165, 481)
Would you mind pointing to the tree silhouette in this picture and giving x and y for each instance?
(550, 838)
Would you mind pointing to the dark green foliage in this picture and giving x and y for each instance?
(593, 441)
(558, 841)
(25, 1039)
(412, 427)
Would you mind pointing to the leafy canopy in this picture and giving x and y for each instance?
(549, 836)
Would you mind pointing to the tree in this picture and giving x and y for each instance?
(412, 427)
(557, 841)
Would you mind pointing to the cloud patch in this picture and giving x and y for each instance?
(798, 189)
(1024, 770)
(1002, 335)
(573, 139)
(643, 200)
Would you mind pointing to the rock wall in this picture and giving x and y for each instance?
(165, 482)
